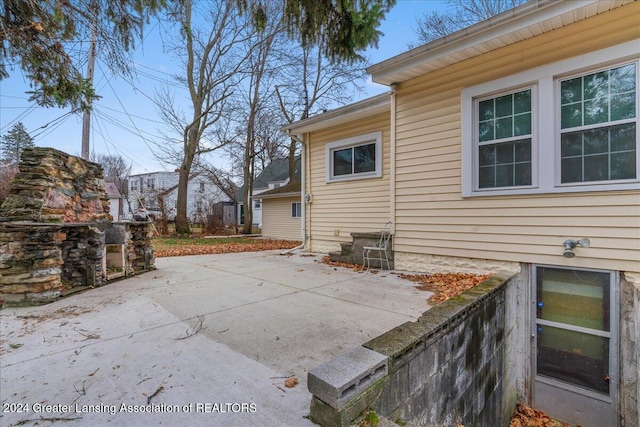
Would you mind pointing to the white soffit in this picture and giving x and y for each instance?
(526, 21)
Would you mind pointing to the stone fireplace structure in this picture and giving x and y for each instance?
(56, 233)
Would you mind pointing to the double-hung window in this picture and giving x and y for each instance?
(598, 126)
(359, 157)
(504, 137)
(568, 126)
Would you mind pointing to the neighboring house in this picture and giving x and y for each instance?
(115, 201)
(495, 147)
(274, 175)
(155, 189)
(282, 212)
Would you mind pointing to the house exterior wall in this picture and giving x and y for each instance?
(433, 219)
(148, 186)
(277, 221)
(347, 206)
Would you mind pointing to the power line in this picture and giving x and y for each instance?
(133, 115)
(59, 121)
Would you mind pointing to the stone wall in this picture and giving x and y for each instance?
(53, 187)
(30, 263)
(54, 228)
(82, 252)
(449, 367)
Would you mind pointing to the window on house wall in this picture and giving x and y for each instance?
(504, 135)
(296, 210)
(257, 204)
(598, 126)
(199, 206)
(359, 157)
(151, 184)
(551, 129)
(202, 186)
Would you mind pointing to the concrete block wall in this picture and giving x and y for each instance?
(629, 351)
(449, 367)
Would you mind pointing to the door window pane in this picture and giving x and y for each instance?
(573, 299)
(573, 357)
(579, 298)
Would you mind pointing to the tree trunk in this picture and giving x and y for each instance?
(246, 195)
(292, 160)
(182, 221)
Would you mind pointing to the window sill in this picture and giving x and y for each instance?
(560, 189)
(353, 178)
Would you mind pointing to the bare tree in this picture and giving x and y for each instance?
(461, 14)
(311, 83)
(213, 59)
(116, 170)
(259, 83)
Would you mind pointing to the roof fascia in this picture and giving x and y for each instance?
(530, 13)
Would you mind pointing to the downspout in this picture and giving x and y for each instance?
(392, 162)
(303, 193)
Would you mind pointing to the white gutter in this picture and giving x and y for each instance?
(303, 191)
(392, 161)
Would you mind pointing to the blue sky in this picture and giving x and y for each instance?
(126, 121)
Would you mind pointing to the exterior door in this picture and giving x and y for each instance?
(574, 345)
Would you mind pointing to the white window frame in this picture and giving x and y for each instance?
(545, 83)
(374, 137)
(297, 206)
(477, 143)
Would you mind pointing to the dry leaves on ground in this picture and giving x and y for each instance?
(223, 248)
(291, 382)
(524, 416)
(355, 267)
(445, 285)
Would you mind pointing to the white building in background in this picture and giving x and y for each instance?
(149, 190)
(115, 201)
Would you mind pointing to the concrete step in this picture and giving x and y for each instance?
(346, 248)
(339, 257)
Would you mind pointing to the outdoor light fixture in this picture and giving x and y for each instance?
(570, 244)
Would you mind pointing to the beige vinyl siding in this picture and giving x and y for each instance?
(431, 216)
(277, 222)
(347, 206)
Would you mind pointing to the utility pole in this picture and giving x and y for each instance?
(86, 116)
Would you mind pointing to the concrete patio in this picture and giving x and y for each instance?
(126, 354)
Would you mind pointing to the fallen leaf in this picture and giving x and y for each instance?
(524, 416)
(291, 382)
(445, 285)
(186, 248)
